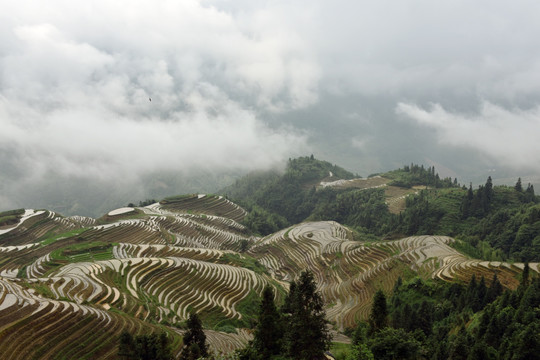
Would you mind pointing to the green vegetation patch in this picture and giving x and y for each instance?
(244, 261)
(341, 351)
(249, 306)
(10, 217)
(481, 250)
(135, 214)
(177, 198)
(65, 235)
(16, 212)
(41, 288)
(412, 175)
(9, 220)
(87, 251)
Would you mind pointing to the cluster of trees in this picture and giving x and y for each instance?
(495, 222)
(364, 210)
(527, 194)
(143, 203)
(434, 320)
(275, 201)
(144, 347)
(478, 203)
(157, 347)
(262, 221)
(296, 330)
(418, 175)
(513, 231)
(10, 217)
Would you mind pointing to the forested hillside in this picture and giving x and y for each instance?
(433, 320)
(490, 222)
(278, 200)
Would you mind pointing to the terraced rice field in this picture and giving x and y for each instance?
(360, 183)
(69, 286)
(348, 272)
(395, 196)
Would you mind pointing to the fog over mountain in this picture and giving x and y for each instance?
(104, 102)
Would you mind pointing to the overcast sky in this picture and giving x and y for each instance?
(243, 85)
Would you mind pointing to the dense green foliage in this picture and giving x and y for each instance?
(298, 331)
(10, 217)
(275, 200)
(437, 320)
(414, 174)
(378, 318)
(364, 210)
(268, 334)
(194, 340)
(306, 335)
(144, 347)
(143, 203)
(262, 221)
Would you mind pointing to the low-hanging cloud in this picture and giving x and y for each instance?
(510, 137)
(144, 88)
(212, 133)
(245, 84)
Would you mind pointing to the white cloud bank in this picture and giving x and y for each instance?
(508, 136)
(76, 78)
(76, 83)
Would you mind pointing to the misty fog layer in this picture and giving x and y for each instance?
(114, 102)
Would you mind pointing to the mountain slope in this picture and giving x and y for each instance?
(143, 270)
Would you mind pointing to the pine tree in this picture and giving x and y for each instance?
(480, 298)
(495, 289)
(489, 189)
(268, 332)
(194, 340)
(529, 193)
(378, 317)
(466, 203)
(424, 317)
(459, 347)
(360, 334)
(306, 335)
(518, 186)
(525, 275)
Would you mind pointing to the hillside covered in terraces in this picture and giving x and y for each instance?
(70, 286)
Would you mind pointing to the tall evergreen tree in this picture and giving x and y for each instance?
(306, 335)
(529, 193)
(489, 190)
(459, 347)
(518, 186)
(424, 317)
(495, 289)
(268, 332)
(466, 203)
(378, 317)
(525, 275)
(194, 340)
